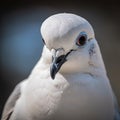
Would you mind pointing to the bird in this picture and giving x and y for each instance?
(70, 81)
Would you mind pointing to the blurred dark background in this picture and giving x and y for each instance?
(21, 45)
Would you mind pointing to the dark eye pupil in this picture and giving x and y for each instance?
(82, 40)
(43, 40)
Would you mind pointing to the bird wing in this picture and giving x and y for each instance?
(117, 110)
(10, 104)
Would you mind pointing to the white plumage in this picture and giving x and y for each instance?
(80, 89)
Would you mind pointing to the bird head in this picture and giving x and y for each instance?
(71, 42)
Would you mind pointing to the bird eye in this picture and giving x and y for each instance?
(43, 40)
(81, 40)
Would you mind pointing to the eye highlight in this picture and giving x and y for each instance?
(81, 40)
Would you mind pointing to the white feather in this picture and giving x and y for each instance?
(80, 90)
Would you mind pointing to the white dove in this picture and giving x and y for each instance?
(69, 82)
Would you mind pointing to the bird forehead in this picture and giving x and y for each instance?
(63, 27)
(61, 24)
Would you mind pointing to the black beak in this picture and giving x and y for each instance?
(57, 62)
(56, 65)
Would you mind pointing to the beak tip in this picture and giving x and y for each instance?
(53, 77)
(52, 72)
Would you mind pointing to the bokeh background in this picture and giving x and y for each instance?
(21, 45)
